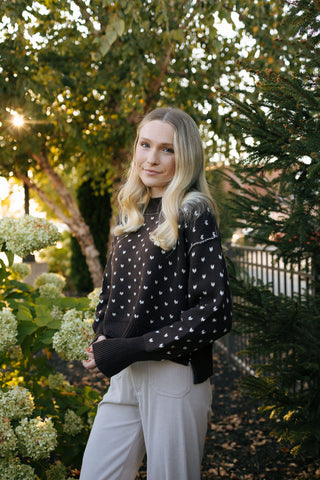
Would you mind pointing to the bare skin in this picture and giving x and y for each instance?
(154, 156)
(90, 364)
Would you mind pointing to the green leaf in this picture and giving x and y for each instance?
(70, 302)
(24, 313)
(64, 302)
(119, 26)
(45, 338)
(42, 315)
(10, 257)
(4, 273)
(20, 286)
(26, 328)
(177, 35)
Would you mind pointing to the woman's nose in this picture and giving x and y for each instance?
(153, 157)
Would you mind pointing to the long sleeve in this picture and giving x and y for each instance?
(209, 314)
(103, 300)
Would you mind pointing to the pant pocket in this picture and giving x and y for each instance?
(170, 379)
(121, 389)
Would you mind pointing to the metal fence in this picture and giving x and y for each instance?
(261, 265)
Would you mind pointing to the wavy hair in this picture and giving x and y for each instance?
(188, 187)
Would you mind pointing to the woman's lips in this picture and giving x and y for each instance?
(151, 172)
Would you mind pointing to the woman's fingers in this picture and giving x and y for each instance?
(91, 366)
(90, 363)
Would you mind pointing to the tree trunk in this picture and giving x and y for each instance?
(74, 221)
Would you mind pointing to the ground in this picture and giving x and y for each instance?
(238, 445)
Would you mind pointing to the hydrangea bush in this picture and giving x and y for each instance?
(20, 270)
(8, 442)
(8, 329)
(73, 424)
(44, 420)
(13, 469)
(16, 402)
(37, 438)
(74, 336)
(50, 285)
(27, 234)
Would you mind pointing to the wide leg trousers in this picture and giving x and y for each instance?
(154, 408)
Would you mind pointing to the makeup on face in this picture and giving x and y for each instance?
(154, 156)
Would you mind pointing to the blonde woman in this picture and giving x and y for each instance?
(165, 299)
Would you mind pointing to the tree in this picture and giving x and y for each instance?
(95, 210)
(278, 198)
(82, 73)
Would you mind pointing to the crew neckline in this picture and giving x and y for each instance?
(153, 204)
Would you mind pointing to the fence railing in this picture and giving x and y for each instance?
(261, 265)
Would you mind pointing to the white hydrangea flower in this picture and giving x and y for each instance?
(56, 381)
(8, 329)
(74, 336)
(16, 403)
(49, 290)
(50, 278)
(57, 471)
(88, 317)
(56, 313)
(36, 437)
(73, 424)
(27, 234)
(8, 440)
(72, 315)
(20, 270)
(94, 298)
(13, 469)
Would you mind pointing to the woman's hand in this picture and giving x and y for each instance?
(90, 364)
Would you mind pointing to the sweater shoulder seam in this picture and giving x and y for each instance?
(214, 236)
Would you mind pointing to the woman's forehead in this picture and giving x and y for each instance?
(157, 131)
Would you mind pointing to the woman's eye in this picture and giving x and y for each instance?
(168, 150)
(145, 144)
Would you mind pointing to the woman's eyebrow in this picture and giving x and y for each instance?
(145, 139)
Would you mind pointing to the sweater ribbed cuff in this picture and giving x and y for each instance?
(114, 354)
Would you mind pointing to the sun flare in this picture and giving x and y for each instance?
(17, 120)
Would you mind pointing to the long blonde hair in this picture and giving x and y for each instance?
(188, 186)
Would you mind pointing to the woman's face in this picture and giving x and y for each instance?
(154, 156)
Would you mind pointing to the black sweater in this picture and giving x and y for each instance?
(158, 304)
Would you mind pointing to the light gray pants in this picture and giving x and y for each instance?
(151, 407)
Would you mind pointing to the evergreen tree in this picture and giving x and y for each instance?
(96, 210)
(216, 176)
(278, 197)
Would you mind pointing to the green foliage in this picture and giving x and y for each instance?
(285, 332)
(279, 181)
(28, 364)
(216, 179)
(276, 196)
(83, 80)
(96, 210)
(84, 73)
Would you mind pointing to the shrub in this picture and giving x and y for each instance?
(44, 420)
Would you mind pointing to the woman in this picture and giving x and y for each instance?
(165, 299)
